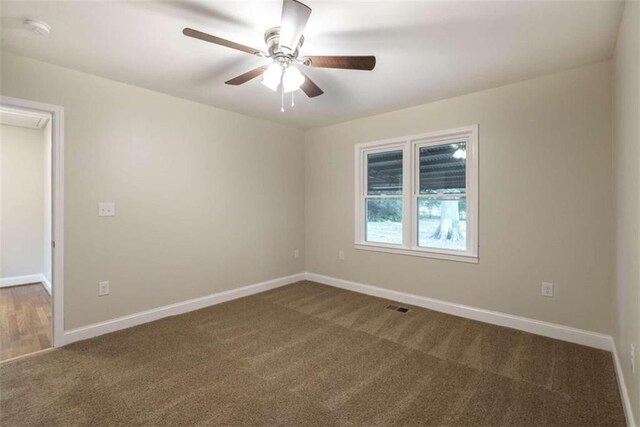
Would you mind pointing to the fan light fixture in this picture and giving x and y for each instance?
(284, 76)
(290, 77)
(272, 76)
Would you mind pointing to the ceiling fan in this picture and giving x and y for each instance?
(283, 47)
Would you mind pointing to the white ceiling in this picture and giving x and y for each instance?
(426, 50)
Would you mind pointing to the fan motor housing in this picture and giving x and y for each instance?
(272, 39)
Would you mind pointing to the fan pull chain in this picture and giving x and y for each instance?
(281, 94)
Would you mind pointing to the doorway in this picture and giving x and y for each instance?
(31, 317)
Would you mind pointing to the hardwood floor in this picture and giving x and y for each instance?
(25, 320)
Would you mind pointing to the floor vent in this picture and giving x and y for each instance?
(396, 308)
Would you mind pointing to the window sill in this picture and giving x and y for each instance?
(416, 252)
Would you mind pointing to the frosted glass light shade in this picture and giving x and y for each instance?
(292, 79)
(271, 76)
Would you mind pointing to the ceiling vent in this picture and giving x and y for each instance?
(23, 118)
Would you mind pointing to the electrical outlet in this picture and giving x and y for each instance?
(633, 358)
(340, 254)
(296, 253)
(106, 209)
(103, 289)
(547, 289)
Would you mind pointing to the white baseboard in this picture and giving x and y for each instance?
(552, 330)
(624, 394)
(538, 327)
(21, 280)
(46, 283)
(124, 322)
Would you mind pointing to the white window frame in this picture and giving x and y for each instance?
(410, 146)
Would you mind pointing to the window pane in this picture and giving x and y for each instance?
(443, 168)
(384, 220)
(442, 223)
(384, 172)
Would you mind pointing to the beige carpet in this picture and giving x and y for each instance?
(314, 355)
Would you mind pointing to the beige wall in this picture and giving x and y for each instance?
(626, 128)
(206, 200)
(545, 200)
(21, 201)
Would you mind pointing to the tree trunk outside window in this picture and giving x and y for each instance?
(449, 227)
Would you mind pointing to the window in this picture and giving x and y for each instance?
(383, 201)
(418, 195)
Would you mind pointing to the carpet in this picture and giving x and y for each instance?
(309, 354)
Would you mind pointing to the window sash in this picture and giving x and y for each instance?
(416, 232)
(362, 172)
(417, 145)
(366, 169)
(366, 218)
(411, 193)
(416, 195)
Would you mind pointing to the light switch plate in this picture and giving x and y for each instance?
(106, 209)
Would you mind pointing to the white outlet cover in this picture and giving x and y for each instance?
(547, 289)
(296, 253)
(106, 209)
(103, 288)
(341, 254)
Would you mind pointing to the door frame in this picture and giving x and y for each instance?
(57, 212)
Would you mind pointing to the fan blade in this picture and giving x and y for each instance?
(217, 40)
(346, 62)
(243, 78)
(310, 88)
(294, 18)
